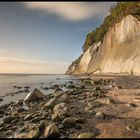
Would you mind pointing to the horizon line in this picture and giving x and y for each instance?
(30, 74)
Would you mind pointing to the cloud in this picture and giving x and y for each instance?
(71, 11)
(17, 65)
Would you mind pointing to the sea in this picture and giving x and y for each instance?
(8, 81)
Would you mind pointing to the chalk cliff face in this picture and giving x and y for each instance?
(119, 52)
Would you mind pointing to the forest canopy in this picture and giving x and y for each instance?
(117, 12)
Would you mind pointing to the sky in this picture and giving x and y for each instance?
(45, 37)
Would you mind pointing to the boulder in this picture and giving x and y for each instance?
(94, 104)
(69, 122)
(8, 119)
(51, 131)
(35, 95)
(61, 110)
(86, 135)
(50, 104)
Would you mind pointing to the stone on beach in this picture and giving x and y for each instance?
(51, 131)
(94, 104)
(61, 110)
(35, 95)
(50, 104)
(86, 135)
(1, 99)
(69, 122)
(64, 98)
(58, 89)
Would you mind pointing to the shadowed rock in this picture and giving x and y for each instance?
(35, 95)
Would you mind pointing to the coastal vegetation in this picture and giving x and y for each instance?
(117, 12)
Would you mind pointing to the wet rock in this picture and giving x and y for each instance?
(19, 102)
(86, 135)
(58, 89)
(69, 122)
(21, 110)
(51, 131)
(100, 115)
(1, 99)
(50, 104)
(45, 88)
(35, 95)
(71, 82)
(27, 87)
(61, 110)
(26, 90)
(19, 87)
(2, 111)
(54, 86)
(71, 86)
(8, 119)
(134, 126)
(28, 117)
(94, 104)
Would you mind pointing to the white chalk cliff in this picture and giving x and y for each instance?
(119, 52)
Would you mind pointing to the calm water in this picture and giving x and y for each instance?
(34, 81)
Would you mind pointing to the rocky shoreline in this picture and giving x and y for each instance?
(88, 109)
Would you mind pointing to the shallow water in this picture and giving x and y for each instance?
(34, 81)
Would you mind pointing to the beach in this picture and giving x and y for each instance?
(73, 107)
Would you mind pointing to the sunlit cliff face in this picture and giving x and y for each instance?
(118, 53)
